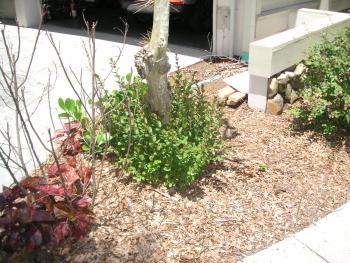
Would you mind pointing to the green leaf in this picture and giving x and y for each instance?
(61, 104)
(78, 104)
(128, 77)
(64, 115)
(100, 139)
(85, 148)
(69, 103)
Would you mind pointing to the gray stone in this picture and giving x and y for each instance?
(282, 88)
(283, 79)
(235, 98)
(293, 96)
(300, 69)
(290, 75)
(298, 83)
(275, 105)
(224, 93)
(288, 92)
(229, 133)
(239, 81)
(273, 88)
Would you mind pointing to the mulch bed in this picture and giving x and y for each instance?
(272, 183)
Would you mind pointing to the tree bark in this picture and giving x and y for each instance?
(152, 62)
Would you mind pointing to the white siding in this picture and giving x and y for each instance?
(269, 5)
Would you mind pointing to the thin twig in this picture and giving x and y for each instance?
(59, 171)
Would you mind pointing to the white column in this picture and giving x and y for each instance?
(245, 24)
(223, 27)
(257, 97)
(28, 12)
(325, 5)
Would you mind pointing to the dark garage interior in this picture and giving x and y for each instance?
(110, 16)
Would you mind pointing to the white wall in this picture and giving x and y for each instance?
(279, 15)
(256, 19)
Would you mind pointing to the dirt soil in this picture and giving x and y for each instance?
(272, 183)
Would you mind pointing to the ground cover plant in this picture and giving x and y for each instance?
(326, 94)
(151, 151)
(51, 203)
(47, 210)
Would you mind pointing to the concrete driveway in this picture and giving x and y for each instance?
(73, 56)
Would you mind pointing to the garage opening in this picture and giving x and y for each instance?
(190, 24)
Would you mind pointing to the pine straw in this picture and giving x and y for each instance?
(232, 211)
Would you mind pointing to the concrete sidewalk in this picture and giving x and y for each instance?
(74, 58)
(326, 241)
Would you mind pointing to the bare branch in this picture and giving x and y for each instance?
(8, 168)
(59, 171)
(50, 37)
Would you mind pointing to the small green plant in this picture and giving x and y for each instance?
(173, 154)
(263, 167)
(72, 111)
(326, 94)
(101, 141)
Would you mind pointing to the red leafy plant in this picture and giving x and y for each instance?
(43, 211)
(72, 133)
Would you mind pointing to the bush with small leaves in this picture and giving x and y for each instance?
(172, 154)
(326, 94)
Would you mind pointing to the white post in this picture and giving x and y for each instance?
(325, 5)
(246, 12)
(28, 12)
(257, 98)
(223, 27)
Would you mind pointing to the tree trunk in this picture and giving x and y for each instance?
(152, 63)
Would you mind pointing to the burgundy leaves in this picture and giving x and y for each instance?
(45, 215)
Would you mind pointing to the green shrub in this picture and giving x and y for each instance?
(174, 154)
(327, 86)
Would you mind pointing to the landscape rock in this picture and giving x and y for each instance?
(282, 88)
(288, 92)
(224, 93)
(300, 69)
(275, 105)
(298, 83)
(229, 133)
(293, 97)
(235, 98)
(283, 79)
(290, 75)
(273, 88)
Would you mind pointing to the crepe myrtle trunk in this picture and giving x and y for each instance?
(152, 63)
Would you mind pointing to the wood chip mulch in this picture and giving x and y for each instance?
(272, 183)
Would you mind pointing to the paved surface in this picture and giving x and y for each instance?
(73, 56)
(326, 241)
